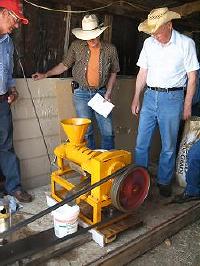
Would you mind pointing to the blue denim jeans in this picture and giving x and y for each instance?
(9, 164)
(163, 110)
(193, 172)
(81, 98)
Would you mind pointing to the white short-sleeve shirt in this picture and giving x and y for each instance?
(168, 64)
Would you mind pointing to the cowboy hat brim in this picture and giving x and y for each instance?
(87, 35)
(151, 28)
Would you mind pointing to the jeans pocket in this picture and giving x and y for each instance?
(176, 96)
(146, 91)
(102, 92)
(78, 91)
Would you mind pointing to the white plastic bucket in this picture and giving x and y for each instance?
(65, 220)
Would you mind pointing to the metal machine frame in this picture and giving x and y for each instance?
(95, 165)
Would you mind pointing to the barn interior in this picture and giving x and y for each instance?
(43, 104)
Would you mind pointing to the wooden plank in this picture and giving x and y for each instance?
(124, 222)
(38, 247)
(149, 240)
(56, 251)
(67, 31)
(107, 36)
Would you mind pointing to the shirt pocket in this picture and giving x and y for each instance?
(7, 61)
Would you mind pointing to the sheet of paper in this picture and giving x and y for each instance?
(100, 105)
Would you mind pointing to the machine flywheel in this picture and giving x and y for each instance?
(130, 189)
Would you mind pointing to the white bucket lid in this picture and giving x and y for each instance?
(67, 212)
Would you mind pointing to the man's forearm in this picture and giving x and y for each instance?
(140, 82)
(57, 70)
(111, 82)
(191, 87)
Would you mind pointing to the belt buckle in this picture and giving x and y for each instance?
(158, 89)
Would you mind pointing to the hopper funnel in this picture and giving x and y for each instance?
(75, 129)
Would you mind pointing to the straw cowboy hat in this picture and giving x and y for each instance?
(156, 18)
(90, 28)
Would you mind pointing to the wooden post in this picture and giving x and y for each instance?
(107, 37)
(67, 19)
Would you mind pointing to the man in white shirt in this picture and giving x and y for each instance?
(167, 60)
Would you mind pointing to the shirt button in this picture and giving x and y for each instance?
(85, 68)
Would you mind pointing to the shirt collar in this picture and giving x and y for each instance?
(172, 39)
(102, 44)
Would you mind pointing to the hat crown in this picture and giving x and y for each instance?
(156, 14)
(90, 22)
(16, 7)
(156, 18)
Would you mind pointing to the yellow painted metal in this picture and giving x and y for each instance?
(75, 129)
(96, 164)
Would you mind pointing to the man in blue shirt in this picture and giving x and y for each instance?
(10, 18)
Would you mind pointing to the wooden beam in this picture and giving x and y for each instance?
(107, 36)
(67, 32)
(56, 251)
(187, 9)
(149, 240)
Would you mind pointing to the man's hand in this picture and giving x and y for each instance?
(38, 76)
(13, 95)
(135, 107)
(139, 87)
(110, 85)
(57, 70)
(107, 96)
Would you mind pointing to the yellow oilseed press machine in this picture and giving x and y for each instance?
(125, 192)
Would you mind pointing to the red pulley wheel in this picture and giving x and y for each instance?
(130, 189)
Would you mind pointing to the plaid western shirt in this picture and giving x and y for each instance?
(78, 57)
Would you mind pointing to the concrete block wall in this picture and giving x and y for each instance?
(53, 102)
(125, 124)
(28, 140)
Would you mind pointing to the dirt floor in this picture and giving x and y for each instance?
(183, 249)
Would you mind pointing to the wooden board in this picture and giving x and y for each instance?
(162, 220)
(108, 232)
(117, 226)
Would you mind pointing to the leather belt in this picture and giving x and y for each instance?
(75, 85)
(92, 88)
(4, 97)
(165, 89)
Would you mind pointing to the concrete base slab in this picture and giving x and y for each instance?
(160, 222)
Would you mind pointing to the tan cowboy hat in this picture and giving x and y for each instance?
(90, 28)
(156, 18)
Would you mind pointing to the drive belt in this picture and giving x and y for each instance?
(33, 244)
(66, 200)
